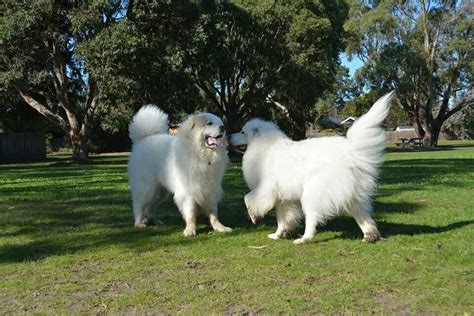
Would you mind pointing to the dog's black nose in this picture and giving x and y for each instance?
(221, 128)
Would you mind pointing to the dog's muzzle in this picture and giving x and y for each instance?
(216, 141)
(240, 148)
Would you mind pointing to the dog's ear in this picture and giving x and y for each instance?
(255, 131)
(187, 127)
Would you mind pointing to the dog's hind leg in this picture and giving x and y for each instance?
(143, 202)
(160, 195)
(361, 211)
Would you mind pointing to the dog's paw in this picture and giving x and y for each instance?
(247, 199)
(274, 236)
(140, 225)
(372, 237)
(253, 218)
(302, 240)
(223, 229)
(289, 234)
(153, 221)
(189, 232)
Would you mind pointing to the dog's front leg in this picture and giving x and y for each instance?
(187, 207)
(309, 230)
(288, 214)
(280, 214)
(259, 202)
(215, 223)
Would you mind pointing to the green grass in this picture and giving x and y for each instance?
(67, 245)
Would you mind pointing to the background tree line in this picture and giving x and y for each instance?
(87, 66)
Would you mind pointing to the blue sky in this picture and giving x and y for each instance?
(353, 65)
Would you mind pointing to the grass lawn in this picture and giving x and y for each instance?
(67, 244)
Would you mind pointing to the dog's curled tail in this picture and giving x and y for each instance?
(367, 135)
(149, 120)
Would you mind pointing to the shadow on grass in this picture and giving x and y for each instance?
(70, 243)
(410, 173)
(77, 219)
(53, 162)
(349, 229)
(149, 239)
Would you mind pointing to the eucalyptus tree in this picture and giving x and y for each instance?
(81, 63)
(424, 49)
(39, 60)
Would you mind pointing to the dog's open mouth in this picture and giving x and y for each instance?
(240, 148)
(214, 141)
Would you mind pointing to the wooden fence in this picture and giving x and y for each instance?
(22, 147)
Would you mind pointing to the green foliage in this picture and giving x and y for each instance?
(138, 61)
(361, 105)
(68, 245)
(314, 41)
(421, 49)
(229, 57)
(460, 125)
(41, 62)
(240, 53)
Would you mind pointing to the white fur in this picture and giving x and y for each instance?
(316, 177)
(185, 165)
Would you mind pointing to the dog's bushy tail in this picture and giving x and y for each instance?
(149, 120)
(367, 136)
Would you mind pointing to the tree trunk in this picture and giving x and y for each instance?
(232, 118)
(298, 128)
(432, 135)
(417, 123)
(80, 148)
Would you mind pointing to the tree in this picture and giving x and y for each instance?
(247, 57)
(139, 60)
(233, 54)
(362, 104)
(423, 49)
(85, 63)
(460, 125)
(314, 41)
(39, 60)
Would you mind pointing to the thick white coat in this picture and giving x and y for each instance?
(318, 177)
(183, 165)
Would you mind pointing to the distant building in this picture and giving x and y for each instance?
(329, 125)
(348, 122)
(22, 147)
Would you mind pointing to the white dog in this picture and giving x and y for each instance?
(316, 177)
(190, 165)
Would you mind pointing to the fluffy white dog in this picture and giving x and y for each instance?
(190, 165)
(316, 177)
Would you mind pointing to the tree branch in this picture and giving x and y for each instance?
(467, 100)
(280, 106)
(210, 95)
(40, 108)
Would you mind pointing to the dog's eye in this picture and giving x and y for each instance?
(210, 123)
(242, 132)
